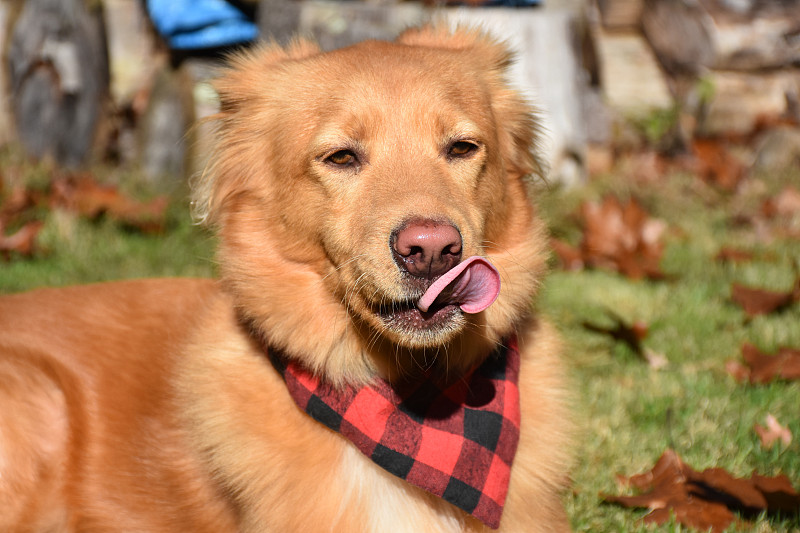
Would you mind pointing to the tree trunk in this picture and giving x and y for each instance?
(691, 36)
(620, 14)
(58, 77)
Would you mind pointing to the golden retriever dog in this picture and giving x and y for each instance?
(368, 361)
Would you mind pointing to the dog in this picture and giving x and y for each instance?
(368, 360)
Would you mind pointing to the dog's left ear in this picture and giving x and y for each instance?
(519, 128)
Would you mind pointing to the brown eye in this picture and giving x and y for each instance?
(462, 149)
(342, 158)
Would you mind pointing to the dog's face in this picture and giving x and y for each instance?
(346, 183)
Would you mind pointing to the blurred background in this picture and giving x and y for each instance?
(122, 81)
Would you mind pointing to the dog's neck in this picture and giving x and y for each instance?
(375, 357)
(463, 353)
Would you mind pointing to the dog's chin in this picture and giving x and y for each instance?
(403, 323)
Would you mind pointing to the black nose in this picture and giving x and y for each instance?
(426, 248)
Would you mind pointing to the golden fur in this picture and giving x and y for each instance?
(150, 406)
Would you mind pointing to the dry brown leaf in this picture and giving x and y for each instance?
(779, 492)
(739, 371)
(760, 301)
(13, 207)
(622, 237)
(733, 255)
(666, 492)
(694, 513)
(761, 368)
(18, 200)
(773, 432)
(656, 360)
(714, 162)
(80, 194)
(705, 500)
(84, 195)
(630, 334)
(21, 242)
(569, 257)
(785, 204)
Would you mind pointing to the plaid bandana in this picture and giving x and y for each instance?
(456, 441)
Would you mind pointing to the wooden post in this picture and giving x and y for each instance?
(58, 77)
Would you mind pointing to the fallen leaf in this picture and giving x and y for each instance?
(14, 204)
(705, 500)
(630, 334)
(773, 432)
(21, 242)
(666, 493)
(761, 368)
(780, 494)
(739, 371)
(694, 513)
(656, 360)
(733, 255)
(756, 301)
(713, 161)
(785, 204)
(622, 237)
(84, 195)
(569, 257)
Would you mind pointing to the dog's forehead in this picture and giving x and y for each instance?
(395, 67)
(377, 78)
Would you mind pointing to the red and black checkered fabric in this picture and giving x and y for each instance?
(456, 441)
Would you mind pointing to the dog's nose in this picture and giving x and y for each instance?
(426, 248)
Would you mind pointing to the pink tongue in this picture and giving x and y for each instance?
(474, 282)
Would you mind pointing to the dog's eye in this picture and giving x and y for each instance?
(342, 158)
(462, 149)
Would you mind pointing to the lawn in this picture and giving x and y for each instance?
(629, 412)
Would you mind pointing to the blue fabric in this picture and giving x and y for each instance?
(199, 24)
(512, 3)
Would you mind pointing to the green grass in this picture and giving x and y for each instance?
(628, 412)
(71, 249)
(75, 250)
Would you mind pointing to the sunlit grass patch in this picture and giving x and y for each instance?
(632, 412)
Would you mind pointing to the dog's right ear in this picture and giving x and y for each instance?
(495, 54)
(241, 87)
(242, 79)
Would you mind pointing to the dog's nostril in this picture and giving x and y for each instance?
(452, 249)
(426, 248)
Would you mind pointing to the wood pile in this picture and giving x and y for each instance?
(612, 76)
(57, 76)
(730, 68)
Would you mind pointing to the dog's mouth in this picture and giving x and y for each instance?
(468, 288)
(407, 317)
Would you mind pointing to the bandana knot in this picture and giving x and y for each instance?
(456, 441)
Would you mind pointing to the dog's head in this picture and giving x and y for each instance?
(345, 184)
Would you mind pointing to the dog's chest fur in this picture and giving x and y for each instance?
(292, 474)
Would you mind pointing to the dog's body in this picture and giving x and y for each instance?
(152, 405)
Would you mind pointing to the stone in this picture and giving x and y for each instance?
(689, 36)
(631, 78)
(778, 150)
(58, 74)
(740, 100)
